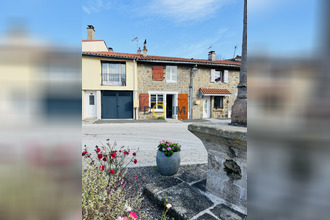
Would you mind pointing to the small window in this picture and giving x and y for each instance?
(156, 99)
(218, 76)
(171, 74)
(91, 100)
(218, 102)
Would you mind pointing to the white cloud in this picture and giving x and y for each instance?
(200, 48)
(85, 9)
(92, 6)
(183, 10)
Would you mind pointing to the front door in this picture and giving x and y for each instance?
(206, 107)
(169, 106)
(90, 104)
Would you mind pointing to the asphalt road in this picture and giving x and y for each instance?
(145, 137)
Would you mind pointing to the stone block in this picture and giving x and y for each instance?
(227, 161)
(187, 201)
(206, 216)
(225, 213)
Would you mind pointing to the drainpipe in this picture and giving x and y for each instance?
(134, 89)
(191, 89)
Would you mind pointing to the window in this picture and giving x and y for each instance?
(91, 99)
(113, 74)
(171, 74)
(156, 99)
(219, 76)
(218, 102)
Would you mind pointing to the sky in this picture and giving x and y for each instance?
(178, 28)
(182, 28)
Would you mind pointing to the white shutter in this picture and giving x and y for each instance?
(174, 73)
(225, 80)
(168, 73)
(212, 75)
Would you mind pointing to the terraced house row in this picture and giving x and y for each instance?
(141, 86)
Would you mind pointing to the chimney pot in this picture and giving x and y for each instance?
(145, 48)
(211, 56)
(90, 32)
(110, 49)
(139, 50)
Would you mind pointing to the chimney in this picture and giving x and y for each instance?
(139, 50)
(212, 55)
(110, 49)
(145, 48)
(90, 32)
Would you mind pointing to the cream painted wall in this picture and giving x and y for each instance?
(91, 74)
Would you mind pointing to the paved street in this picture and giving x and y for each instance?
(146, 136)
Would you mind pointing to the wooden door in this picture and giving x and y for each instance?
(183, 106)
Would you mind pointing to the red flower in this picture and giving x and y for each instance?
(126, 152)
(119, 150)
(102, 168)
(134, 154)
(132, 215)
(104, 158)
(112, 171)
(97, 150)
(135, 161)
(100, 156)
(113, 154)
(84, 153)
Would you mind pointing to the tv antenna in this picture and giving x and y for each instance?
(210, 47)
(235, 51)
(136, 39)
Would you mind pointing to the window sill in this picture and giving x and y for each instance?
(218, 110)
(171, 81)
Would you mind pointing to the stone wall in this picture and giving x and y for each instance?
(201, 80)
(227, 161)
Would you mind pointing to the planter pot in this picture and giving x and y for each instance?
(168, 166)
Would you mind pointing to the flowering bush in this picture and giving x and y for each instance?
(107, 197)
(105, 194)
(168, 147)
(110, 159)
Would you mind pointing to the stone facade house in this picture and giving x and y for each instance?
(142, 86)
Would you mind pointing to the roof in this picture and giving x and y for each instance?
(152, 58)
(215, 91)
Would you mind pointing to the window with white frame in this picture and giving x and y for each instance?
(113, 74)
(171, 74)
(219, 76)
(218, 102)
(157, 99)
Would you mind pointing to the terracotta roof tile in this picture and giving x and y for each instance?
(215, 91)
(163, 58)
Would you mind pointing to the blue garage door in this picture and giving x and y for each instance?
(117, 104)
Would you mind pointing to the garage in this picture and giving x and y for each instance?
(117, 105)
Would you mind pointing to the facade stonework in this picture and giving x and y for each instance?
(202, 80)
(146, 84)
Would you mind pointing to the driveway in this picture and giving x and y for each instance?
(145, 136)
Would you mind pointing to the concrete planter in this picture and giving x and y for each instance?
(168, 166)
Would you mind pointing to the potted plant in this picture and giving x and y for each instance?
(168, 158)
